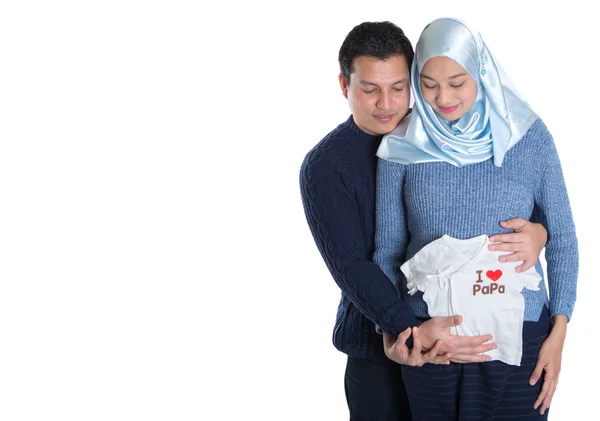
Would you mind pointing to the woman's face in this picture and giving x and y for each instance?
(447, 87)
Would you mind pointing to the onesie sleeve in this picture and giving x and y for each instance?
(529, 279)
(420, 270)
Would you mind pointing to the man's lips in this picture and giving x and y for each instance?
(384, 118)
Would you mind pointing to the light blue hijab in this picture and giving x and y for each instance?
(496, 122)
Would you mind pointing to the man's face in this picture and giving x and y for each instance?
(378, 93)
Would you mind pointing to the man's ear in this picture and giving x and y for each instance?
(344, 85)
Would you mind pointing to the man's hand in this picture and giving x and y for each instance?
(526, 243)
(396, 350)
(463, 349)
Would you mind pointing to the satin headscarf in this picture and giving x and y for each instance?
(496, 122)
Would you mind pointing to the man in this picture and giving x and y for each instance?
(337, 181)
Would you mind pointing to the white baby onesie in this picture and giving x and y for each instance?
(464, 277)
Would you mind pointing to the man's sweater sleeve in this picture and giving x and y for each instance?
(333, 215)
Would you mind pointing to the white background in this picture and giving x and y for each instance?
(155, 263)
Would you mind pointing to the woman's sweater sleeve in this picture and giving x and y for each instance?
(390, 226)
(554, 212)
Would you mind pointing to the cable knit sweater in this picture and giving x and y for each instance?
(337, 181)
(418, 203)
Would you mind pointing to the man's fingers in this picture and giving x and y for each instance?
(506, 248)
(389, 341)
(417, 346)
(514, 223)
(503, 239)
(524, 266)
(438, 359)
(436, 347)
(395, 349)
(414, 358)
(518, 257)
(432, 356)
(443, 359)
(403, 336)
(513, 257)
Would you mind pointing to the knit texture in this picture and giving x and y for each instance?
(337, 182)
(418, 203)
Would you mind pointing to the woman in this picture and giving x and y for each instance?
(471, 153)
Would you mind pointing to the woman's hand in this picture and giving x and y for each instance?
(548, 362)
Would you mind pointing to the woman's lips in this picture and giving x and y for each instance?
(448, 110)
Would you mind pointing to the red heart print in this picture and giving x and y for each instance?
(494, 275)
